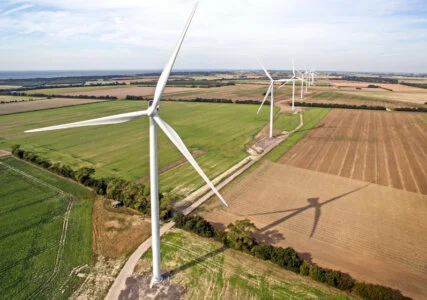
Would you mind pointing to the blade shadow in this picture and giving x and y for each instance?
(196, 261)
(313, 203)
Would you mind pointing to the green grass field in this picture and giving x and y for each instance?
(286, 122)
(56, 91)
(222, 130)
(33, 205)
(208, 271)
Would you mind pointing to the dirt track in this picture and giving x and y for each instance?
(374, 233)
(379, 147)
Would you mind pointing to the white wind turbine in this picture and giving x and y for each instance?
(154, 118)
(270, 89)
(293, 79)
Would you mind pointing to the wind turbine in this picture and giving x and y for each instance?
(154, 119)
(308, 77)
(293, 79)
(270, 89)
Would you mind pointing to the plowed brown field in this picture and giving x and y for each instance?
(373, 232)
(386, 148)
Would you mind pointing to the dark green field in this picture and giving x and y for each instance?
(42, 252)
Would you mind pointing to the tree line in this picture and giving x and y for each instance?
(39, 87)
(340, 105)
(240, 236)
(131, 194)
(368, 79)
(49, 96)
(199, 99)
(418, 85)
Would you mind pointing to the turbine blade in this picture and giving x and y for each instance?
(266, 72)
(265, 97)
(293, 66)
(174, 137)
(166, 71)
(116, 119)
(284, 83)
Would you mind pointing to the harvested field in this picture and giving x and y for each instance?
(122, 92)
(12, 108)
(6, 99)
(234, 92)
(201, 268)
(393, 87)
(374, 233)
(387, 148)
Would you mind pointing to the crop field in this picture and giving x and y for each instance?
(6, 99)
(372, 232)
(367, 97)
(203, 269)
(236, 92)
(18, 107)
(78, 89)
(122, 92)
(46, 232)
(220, 130)
(311, 117)
(387, 148)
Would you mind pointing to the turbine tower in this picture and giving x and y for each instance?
(293, 79)
(270, 89)
(154, 120)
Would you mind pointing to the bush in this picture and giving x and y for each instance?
(240, 236)
(115, 189)
(263, 251)
(317, 273)
(304, 269)
(373, 292)
(286, 258)
(196, 224)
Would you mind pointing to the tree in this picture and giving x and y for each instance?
(84, 175)
(115, 189)
(263, 251)
(287, 258)
(240, 236)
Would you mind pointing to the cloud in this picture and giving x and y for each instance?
(16, 9)
(332, 34)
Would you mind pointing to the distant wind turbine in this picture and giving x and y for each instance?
(270, 90)
(293, 79)
(154, 118)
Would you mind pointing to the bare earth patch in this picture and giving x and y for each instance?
(374, 233)
(11, 108)
(117, 231)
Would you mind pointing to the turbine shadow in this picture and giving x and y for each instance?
(313, 203)
(194, 262)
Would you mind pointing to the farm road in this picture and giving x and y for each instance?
(119, 286)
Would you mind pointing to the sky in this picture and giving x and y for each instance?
(341, 35)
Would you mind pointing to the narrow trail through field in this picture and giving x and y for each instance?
(63, 237)
(119, 284)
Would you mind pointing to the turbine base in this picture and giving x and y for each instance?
(155, 281)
